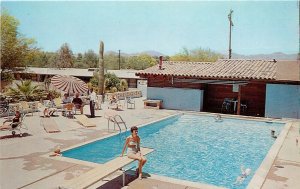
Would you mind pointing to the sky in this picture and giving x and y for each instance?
(260, 27)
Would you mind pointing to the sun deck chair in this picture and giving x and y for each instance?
(58, 103)
(100, 172)
(130, 103)
(25, 107)
(115, 104)
(82, 119)
(49, 125)
(17, 126)
(69, 110)
(34, 106)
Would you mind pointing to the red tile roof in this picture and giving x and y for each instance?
(222, 69)
(178, 69)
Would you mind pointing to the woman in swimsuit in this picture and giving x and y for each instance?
(133, 149)
(15, 122)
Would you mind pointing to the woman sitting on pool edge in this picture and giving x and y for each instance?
(133, 149)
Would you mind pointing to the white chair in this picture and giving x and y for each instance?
(130, 102)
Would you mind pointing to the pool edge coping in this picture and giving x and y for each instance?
(185, 182)
(261, 173)
(258, 178)
(92, 164)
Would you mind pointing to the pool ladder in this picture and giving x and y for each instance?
(117, 120)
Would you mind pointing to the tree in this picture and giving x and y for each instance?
(196, 55)
(14, 46)
(140, 62)
(111, 81)
(36, 59)
(90, 59)
(65, 57)
(123, 85)
(184, 55)
(112, 61)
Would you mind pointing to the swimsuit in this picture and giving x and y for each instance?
(135, 146)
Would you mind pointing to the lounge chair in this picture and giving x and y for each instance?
(16, 126)
(25, 107)
(117, 105)
(100, 172)
(49, 125)
(130, 102)
(58, 103)
(69, 110)
(34, 106)
(82, 119)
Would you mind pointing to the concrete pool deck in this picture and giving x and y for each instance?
(25, 161)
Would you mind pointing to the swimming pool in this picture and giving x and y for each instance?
(194, 148)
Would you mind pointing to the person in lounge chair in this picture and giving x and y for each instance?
(50, 110)
(78, 103)
(133, 149)
(113, 99)
(13, 123)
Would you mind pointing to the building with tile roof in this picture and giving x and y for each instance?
(39, 74)
(248, 87)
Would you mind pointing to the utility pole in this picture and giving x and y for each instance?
(230, 25)
(119, 59)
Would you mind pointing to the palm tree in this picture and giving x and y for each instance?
(24, 89)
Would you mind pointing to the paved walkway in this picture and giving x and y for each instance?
(285, 172)
(24, 161)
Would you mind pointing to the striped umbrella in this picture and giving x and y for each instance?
(69, 84)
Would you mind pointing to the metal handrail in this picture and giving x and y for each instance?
(115, 121)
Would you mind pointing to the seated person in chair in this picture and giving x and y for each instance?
(113, 99)
(66, 99)
(50, 110)
(14, 122)
(78, 103)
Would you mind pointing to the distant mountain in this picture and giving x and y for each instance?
(152, 53)
(276, 55)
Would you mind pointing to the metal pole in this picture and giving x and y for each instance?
(229, 42)
(230, 25)
(119, 59)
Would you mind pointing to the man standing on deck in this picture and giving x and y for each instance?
(92, 102)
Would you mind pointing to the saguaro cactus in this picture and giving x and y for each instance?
(101, 69)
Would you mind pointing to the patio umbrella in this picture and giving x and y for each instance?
(69, 84)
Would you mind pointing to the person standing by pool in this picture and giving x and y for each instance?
(133, 149)
(92, 102)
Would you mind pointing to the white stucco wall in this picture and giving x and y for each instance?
(282, 101)
(177, 98)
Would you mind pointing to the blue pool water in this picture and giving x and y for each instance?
(194, 148)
